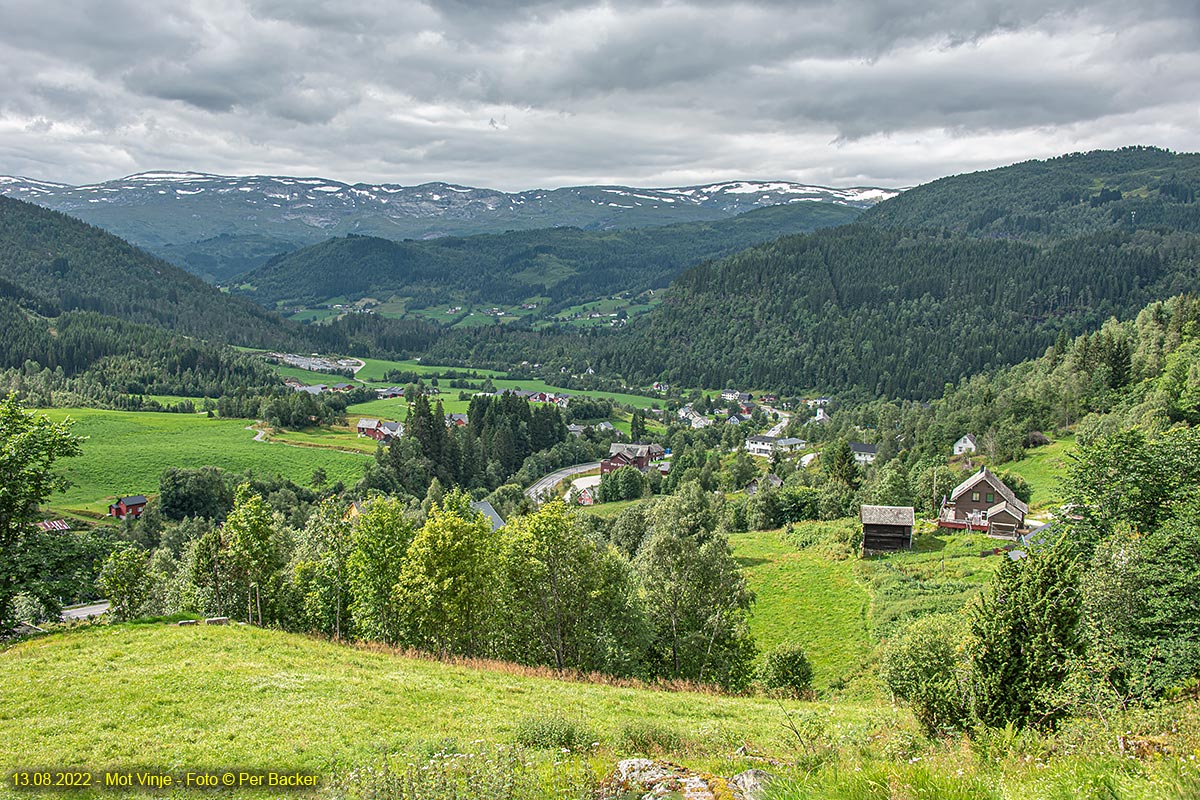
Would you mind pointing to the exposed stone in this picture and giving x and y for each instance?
(184, 622)
(752, 783)
(649, 780)
(217, 621)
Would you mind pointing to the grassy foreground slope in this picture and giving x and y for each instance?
(805, 597)
(158, 695)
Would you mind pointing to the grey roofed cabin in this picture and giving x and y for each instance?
(886, 529)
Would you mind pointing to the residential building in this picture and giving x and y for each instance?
(966, 444)
(984, 503)
(864, 453)
(131, 506)
(621, 454)
(761, 445)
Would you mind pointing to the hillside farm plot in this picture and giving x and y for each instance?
(127, 451)
(805, 597)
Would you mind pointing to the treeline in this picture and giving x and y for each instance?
(547, 589)
(1132, 188)
(869, 312)
(56, 264)
(1140, 374)
(564, 264)
(502, 432)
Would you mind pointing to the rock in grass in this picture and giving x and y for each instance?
(649, 780)
(752, 783)
(217, 621)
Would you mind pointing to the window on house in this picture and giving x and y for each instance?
(975, 496)
(991, 498)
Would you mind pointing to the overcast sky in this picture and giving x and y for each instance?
(521, 95)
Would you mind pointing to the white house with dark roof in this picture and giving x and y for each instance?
(864, 453)
(966, 444)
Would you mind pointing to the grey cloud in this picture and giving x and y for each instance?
(875, 91)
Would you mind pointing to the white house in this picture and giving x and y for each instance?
(821, 416)
(760, 445)
(966, 444)
(864, 453)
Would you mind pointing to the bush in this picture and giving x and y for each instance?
(555, 731)
(927, 668)
(27, 608)
(648, 738)
(786, 671)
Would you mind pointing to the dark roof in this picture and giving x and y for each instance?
(133, 500)
(859, 447)
(997, 484)
(886, 515)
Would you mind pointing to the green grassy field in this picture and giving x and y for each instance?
(127, 451)
(159, 698)
(213, 697)
(942, 574)
(805, 597)
(374, 370)
(1044, 467)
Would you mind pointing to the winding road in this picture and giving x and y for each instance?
(542, 486)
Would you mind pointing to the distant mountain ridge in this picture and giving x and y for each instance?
(559, 264)
(219, 225)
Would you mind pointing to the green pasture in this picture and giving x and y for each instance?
(127, 451)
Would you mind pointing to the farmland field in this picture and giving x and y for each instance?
(127, 451)
(805, 597)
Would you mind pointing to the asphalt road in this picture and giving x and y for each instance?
(83, 612)
(784, 419)
(547, 482)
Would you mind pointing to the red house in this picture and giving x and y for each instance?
(128, 507)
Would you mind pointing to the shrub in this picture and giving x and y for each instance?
(786, 670)
(927, 668)
(650, 738)
(555, 731)
(27, 608)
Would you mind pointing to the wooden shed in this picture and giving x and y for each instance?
(886, 529)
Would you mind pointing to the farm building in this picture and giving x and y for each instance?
(886, 529)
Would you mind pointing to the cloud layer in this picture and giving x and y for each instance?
(519, 95)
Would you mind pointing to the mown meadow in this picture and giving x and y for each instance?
(127, 451)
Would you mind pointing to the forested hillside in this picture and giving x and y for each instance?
(1130, 188)
(55, 263)
(559, 263)
(870, 311)
(105, 320)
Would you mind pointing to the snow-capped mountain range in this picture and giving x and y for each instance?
(170, 213)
